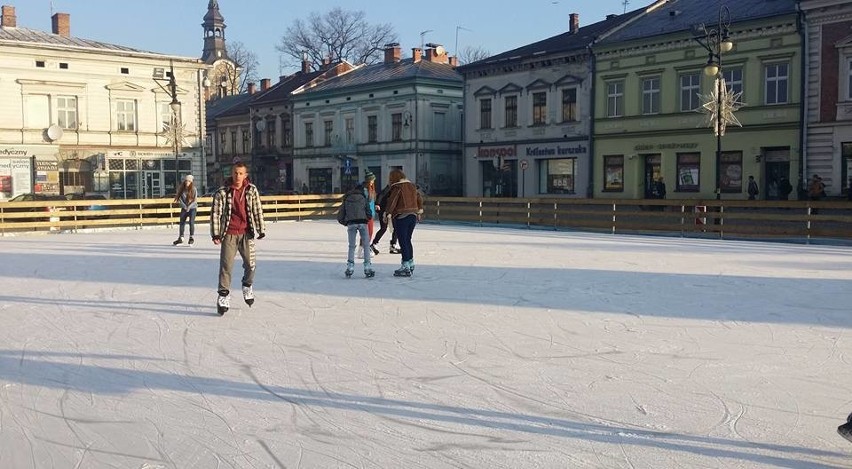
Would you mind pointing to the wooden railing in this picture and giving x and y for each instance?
(788, 220)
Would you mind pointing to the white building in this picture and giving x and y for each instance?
(83, 116)
(401, 113)
(528, 116)
(828, 83)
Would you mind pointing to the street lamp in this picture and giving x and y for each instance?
(175, 129)
(717, 41)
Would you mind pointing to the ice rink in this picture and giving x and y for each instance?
(509, 348)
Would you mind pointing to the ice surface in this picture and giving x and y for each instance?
(508, 348)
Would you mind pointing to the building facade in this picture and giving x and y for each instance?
(401, 113)
(528, 116)
(84, 116)
(828, 108)
(651, 87)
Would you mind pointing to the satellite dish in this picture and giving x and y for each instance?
(440, 50)
(260, 125)
(54, 132)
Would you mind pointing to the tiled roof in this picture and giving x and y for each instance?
(19, 35)
(280, 91)
(561, 43)
(382, 72)
(229, 105)
(685, 15)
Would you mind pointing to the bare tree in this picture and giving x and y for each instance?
(472, 54)
(246, 68)
(339, 35)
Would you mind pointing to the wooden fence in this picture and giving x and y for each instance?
(782, 220)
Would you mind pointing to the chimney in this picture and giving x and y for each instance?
(306, 66)
(264, 84)
(8, 19)
(454, 61)
(575, 22)
(61, 24)
(393, 53)
(251, 87)
(416, 54)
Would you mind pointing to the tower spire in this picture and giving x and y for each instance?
(214, 34)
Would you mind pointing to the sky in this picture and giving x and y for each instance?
(174, 26)
(508, 348)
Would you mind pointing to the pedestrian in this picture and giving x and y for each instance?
(355, 213)
(753, 190)
(187, 195)
(236, 221)
(405, 206)
(816, 188)
(784, 188)
(659, 192)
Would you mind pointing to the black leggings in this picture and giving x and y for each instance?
(383, 226)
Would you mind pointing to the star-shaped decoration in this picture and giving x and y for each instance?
(718, 117)
(174, 132)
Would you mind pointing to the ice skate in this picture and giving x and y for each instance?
(350, 269)
(223, 303)
(248, 295)
(178, 241)
(403, 271)
(368, 270)
(374, 249)
(191, 241)
(394, 250)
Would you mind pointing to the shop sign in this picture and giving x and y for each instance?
(504, 151)
(665, 146)
(559, 149)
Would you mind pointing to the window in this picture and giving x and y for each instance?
(651, 95)
(731, 172)
(690, 84)
(246, 140)
(233, 142)
(309, 134)
(125, 115)
(36, 111)
(125, 70)
(66, 108)
(40, 63)
(539, 108)
(287, 129)
(557, 176)
(372, 129)
(511, 111)
(484, 113)
(776, 84)
(439, 125)
(63, 65)
(271, 137)
(613, 173)
(328, 132)
(688, 171)
(396, 126)
(166, 114)
(615, 99)
(350, 130)
(569, 105)
(849, 79)
(734, 79)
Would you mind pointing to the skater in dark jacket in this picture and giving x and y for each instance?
(381, 201)
(236, 220)
(355, 213)
(405, 205)
(845, 430)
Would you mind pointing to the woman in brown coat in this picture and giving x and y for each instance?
(404, 206)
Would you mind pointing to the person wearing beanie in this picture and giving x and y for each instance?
(187, 195)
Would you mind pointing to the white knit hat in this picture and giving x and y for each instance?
(188, 178)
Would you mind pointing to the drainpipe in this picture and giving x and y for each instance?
(803, 108)
(590, 191)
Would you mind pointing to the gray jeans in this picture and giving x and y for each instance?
(354, 230)
(231, 245)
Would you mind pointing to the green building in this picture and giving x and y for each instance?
(651, 87)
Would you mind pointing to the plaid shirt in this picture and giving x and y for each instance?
(220, 213)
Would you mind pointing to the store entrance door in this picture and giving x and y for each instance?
(152, 184)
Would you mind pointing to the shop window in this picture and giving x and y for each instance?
(511, 111)
(539, 108)
(557, 176)
(688, 171)
(484, 113)
(613, 173)
(731, 172)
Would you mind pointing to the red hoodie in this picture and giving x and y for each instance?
(239, 218)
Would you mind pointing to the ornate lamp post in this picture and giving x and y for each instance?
(174, 131)
(719, 107)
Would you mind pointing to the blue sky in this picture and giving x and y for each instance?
(174, 26)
